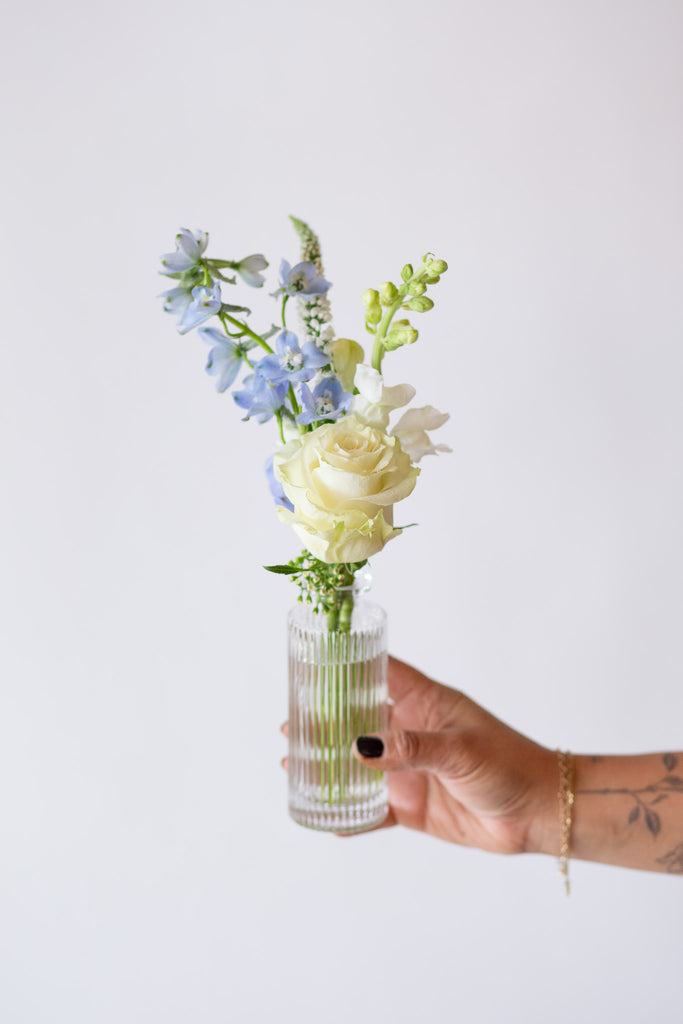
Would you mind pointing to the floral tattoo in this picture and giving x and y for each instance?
(645, 799)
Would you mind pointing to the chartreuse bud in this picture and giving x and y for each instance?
(373, 309)
(417, 288)
(407, 273)
(433, 267)
(388, 293)
(400, 333)
(420, 304)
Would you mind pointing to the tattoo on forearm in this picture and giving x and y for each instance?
(644, 801)
(673, 860)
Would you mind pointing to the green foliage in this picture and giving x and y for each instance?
(326, 586)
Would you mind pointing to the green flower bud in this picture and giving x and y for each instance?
(373, 310)
(434, 266)
(417, 288)
(407, 273)
(401, 333)
(420, 304)
(388, 293)
(370, 298)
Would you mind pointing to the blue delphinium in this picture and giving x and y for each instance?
(276, 488)
(301, 279)
(225, 357)
(260, 398)
(249, 269)
(292, 363)
(206, 302)
(190, 246)
(327, 401)
(177, 300)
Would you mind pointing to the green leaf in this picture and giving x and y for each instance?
(235, 309)
(282, 570)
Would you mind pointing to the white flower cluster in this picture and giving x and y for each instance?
(315, 317)
(315, 312)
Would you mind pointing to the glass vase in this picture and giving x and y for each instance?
(337, 691)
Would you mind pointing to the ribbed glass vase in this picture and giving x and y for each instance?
(337, 691)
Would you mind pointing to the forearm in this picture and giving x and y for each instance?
(628, 811)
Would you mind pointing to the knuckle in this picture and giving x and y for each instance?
(406, 746)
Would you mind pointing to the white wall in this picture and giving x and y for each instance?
(148, 870)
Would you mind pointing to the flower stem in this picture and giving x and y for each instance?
(280, 425)
(378, 348)
(247, 330)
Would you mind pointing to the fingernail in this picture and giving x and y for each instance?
(369, 746)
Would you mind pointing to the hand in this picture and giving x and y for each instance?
(456, 772)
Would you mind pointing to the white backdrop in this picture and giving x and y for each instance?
(148, 869)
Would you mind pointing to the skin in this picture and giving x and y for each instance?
(458, 773)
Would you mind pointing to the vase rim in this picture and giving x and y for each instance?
(362, 582)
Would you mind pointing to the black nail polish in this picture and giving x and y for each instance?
(369, 746)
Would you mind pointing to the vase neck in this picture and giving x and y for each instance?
(337, 603)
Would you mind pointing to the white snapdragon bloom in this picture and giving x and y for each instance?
(376, 402)
(411, 431)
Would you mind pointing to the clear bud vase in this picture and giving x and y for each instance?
(337, 691)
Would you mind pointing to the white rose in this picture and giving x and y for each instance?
(343, 480)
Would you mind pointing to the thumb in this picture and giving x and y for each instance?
(407, 749)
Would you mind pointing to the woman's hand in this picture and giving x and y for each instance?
(456, 772)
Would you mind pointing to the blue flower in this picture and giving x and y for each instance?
(302, 279)
(276, 488)
(176, 300)
(260, 398)
(189, 248)
(225, 358)
(291, 363)
(206, 302)
(327, 401)
(249, 268)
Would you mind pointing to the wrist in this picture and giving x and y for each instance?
(545, 834)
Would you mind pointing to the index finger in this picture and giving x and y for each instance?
(418, 700)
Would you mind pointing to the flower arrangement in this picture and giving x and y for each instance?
(340, 468)
(336, 475)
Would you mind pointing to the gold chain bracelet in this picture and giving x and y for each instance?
(565, 795)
